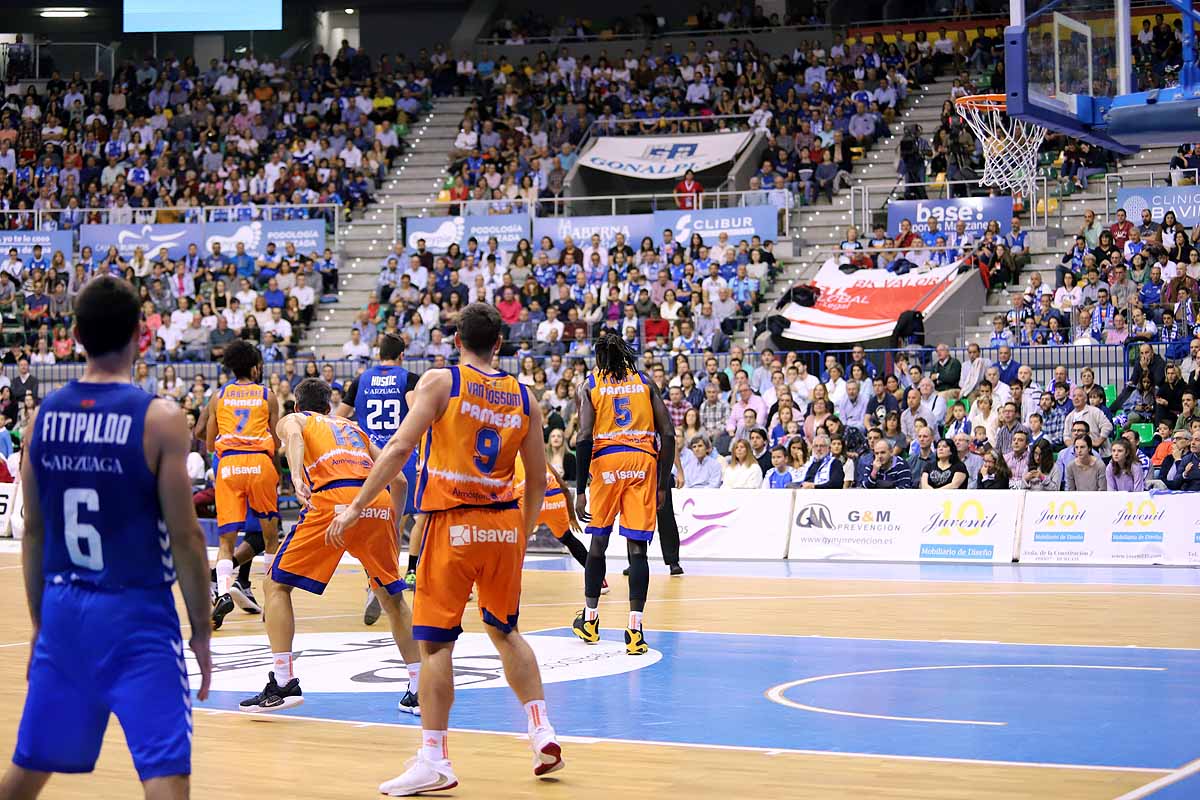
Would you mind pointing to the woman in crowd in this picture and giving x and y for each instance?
(983, 415)
(1045, 473)
(1086, 472)
(818, 412)
(742, 471)
(947, 471)
(837, 448)
(169, 385)
(559, 456)
(893, 435)
(798, 454)
(994, 472)
(1124, 473)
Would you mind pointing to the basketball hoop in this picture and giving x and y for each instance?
(1010, 145)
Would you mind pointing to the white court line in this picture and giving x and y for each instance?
(1186, 771)
(776, 694)
(869, 595)
(923, 641)
(701, 746)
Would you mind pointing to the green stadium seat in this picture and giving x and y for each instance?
(1145, 431)
(1110, 393)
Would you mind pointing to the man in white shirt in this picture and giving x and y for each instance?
(13, 267)
(356, 349)
(551, 323)
(235, 316)
(282, 328)
(227, 84)
(303, 293)
(595, 247)
(717, 251)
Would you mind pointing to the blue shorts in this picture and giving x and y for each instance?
(103, 652)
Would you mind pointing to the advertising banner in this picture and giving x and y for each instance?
(659, 157)
(869, 525)
(1183, 200)
(739, 223)
(10, 510)
(1111, 528)
(581, 229)
(307, 234)
(865, 304)
(727, 523)
(24, 241)
(975, 212)
(441, 232)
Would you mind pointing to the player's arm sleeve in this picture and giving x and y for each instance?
(31, 544)
(666, 436)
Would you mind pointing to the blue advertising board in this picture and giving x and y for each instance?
(739, 223)
(581, 229)
(1183, 200)
(441, 232)
(25, 241)
(307, 234)
(975, 212)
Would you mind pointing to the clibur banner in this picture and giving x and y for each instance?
(1183, 200)
(1111, 528)
(441, 232)
(710, 223)
(659, 157)
(25, 241)
(974, 212)
(581, 229)
(866, 525)
(308, 235)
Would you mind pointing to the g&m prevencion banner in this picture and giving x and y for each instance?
(975, 212)
(660, 157)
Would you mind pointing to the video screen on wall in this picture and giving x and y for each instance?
(163, 16)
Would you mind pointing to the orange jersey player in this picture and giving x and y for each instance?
(624, 432)
(241, 434)
(470, 424)
(330, 458)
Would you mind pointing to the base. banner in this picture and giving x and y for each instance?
(1111, 528)
(873, 525)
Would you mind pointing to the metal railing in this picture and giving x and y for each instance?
(37, 61)
(71, 218)
(866, 201)
(612, 205)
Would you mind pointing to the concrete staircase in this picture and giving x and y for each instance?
(410, 190)
(818, 229)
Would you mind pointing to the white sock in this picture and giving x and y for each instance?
(224, 576)
(535, 713)
(635, 620)
(414, 676)
(283, 668)
(590, 614)
(434, 746)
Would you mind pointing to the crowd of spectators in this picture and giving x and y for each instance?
(165, 137)
(667, 297)
(820, 107)
(944, 423)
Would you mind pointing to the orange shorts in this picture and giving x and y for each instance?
(554, 513)
(245, 480)
(465, 547)
(306, 562)
(623, 482)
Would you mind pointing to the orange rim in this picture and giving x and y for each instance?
(983, 102)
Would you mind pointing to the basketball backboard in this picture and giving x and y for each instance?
(1070, 66)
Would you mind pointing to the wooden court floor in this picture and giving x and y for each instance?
(238, 757)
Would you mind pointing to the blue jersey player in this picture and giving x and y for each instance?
(378, 401)
(109, 526)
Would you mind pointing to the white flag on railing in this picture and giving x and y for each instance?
(658, 157)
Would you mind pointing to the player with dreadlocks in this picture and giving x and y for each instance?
(626, 448)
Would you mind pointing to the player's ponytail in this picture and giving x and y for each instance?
(613, 356)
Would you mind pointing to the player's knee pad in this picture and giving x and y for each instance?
(636, 550)
(256, 542)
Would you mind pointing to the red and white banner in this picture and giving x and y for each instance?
(864, 305)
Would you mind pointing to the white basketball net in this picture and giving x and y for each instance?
(1010, 145)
